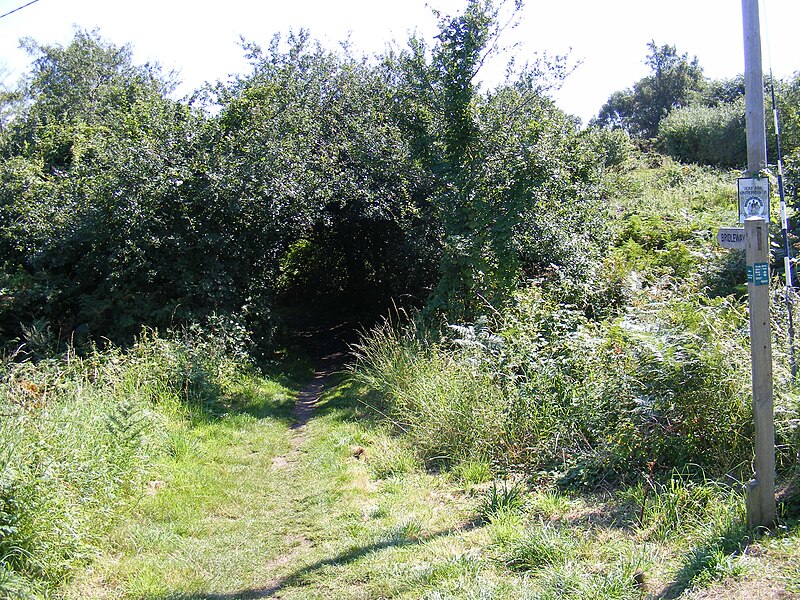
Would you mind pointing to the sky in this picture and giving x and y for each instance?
(606, 40)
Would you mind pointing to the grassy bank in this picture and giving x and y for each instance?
(630, 383)
(82, 437)
(644, 373)
(346, 509)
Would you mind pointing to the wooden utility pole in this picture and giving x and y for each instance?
(761, 489)
(754, 89)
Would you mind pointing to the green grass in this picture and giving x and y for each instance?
(245, 512)
(499, 499)
(207, 509)
(78, 436)
(84, 440)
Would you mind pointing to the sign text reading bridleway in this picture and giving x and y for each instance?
(731, 237)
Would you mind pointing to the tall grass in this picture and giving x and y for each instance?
(442, 402)
(544, 389)
(78, 438)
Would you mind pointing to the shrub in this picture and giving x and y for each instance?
(443, 402)
(677, 375)
(706, 135)
(551, 391)
(614, 146)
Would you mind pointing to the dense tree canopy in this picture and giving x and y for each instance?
(95, 157)
(320, 178)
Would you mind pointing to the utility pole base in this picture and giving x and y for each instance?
(760, 503)
(761, 489)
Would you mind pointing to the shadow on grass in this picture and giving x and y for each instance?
(709, 560)
(342, 400)
(212, 403)
(302, 387)
(268, 392)
(298, 576)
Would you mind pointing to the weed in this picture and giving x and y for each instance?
(541, 546)
(546, 389)
(714, 557)
(499, 499)
(454, 568)
(180, 444)
(12, 585)
(550, 503)
(570, 582)
(473, 471)
(407, 530)
(684, 505)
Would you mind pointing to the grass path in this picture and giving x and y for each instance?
(266, 501)
(297, 493)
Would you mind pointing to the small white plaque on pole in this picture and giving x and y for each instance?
(731, 237)
(753, 198)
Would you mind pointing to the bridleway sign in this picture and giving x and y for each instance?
(731, 237)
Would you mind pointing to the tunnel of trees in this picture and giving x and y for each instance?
(320, 179)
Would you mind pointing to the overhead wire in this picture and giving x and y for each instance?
(11, 12)
(787, 248)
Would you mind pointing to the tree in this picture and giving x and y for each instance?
(674, 81)
(723, 91)
(98, 235)
(312, 160)
(712, 135)
(319, 176)
(513, 182)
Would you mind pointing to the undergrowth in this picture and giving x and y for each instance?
(79, 436)
(545, 390)
(593, 397)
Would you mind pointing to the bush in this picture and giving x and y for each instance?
(614, 146)
(677, 375)
(661, 387)
(707, 135)
(542, 546)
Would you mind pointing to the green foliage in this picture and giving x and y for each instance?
(503, 166)
(319, 176)
(501, 499)
(540, 547)
(545, 389)
(100, 238)
(673, 82)
(695, 119)
(707, 135)
(319, 164)
(79, 438)
(576, 326)
(684, 503)
(723, 91)
(391, 459)
(473, 472)
(787, 95)
(717, 555)
(443, 405)
(641, 363)
(614, 146)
